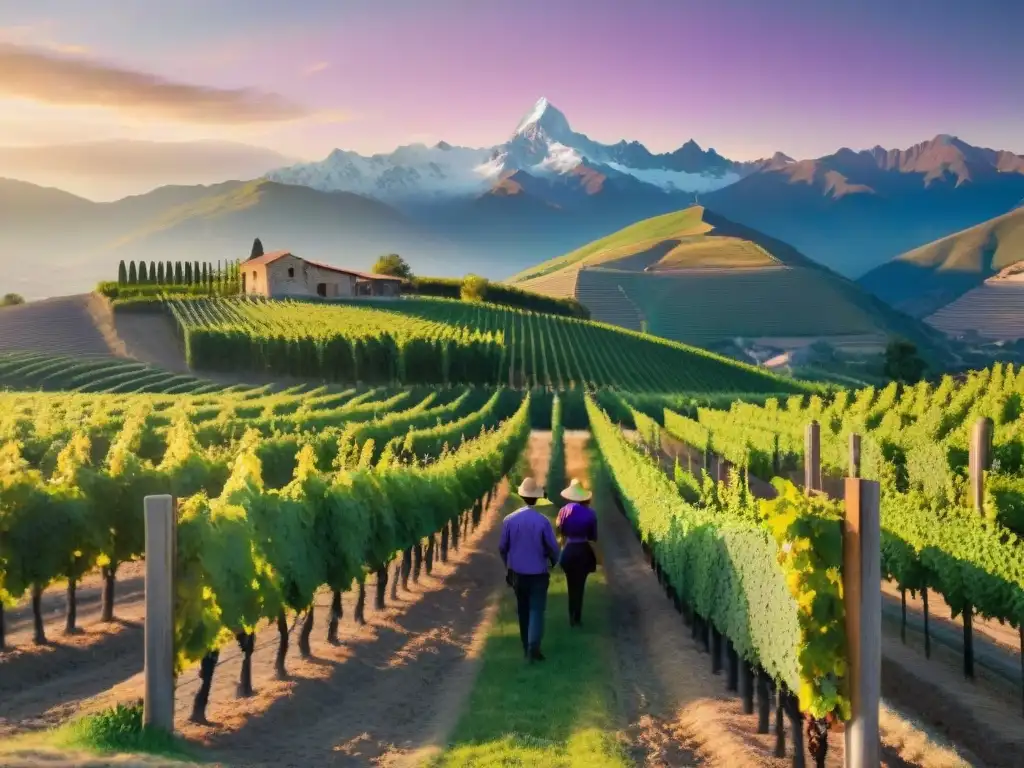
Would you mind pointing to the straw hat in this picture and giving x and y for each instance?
(576, 492)
(530, 490)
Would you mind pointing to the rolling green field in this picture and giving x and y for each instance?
(440, 341)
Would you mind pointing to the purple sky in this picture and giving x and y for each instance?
(747, 77)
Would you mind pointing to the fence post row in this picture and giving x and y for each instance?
(161, 535)
(862, 574)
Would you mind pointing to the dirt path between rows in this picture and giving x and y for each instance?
(386, 691)
(43, 685)
(675, 708)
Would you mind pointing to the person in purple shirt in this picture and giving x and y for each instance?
(527, 546)
(578, 524)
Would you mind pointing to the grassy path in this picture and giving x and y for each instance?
(558, 713)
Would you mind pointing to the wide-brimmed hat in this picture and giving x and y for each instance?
(576, 492)
(529, 489)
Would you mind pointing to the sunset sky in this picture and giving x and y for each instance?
(748, 77)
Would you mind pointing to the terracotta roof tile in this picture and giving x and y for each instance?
(268, 258)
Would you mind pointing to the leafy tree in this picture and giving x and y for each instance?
(10, 299)
(133, 276)
(122, 273)
(394, 265)
(257, 249)
(474, 288)
(902, 363)
(143, 272)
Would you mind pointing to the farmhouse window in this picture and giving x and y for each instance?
(291, 271)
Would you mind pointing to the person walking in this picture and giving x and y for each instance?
(527, 545)
(578, 524)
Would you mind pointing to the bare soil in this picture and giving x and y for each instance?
(150, 337)
(388, 690)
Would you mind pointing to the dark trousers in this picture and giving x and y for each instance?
(531, 592)
(578, 562)
(576, 581)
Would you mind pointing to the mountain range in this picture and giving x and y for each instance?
(544, 191)
(543, 147)
(851, 210)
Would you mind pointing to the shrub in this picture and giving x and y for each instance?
(474, 288)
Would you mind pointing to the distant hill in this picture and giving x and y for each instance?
(922, 281)
(965, 284)
(699, 278)
(109, 170)
(53, 243)
(853, 211)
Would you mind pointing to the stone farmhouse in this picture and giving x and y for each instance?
(281, 274)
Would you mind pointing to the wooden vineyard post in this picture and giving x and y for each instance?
(812, 458)
(863, 601)
(161, 529)
(981, 442)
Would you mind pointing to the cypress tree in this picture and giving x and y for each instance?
(122, 273)
(160, 273)
(168, 273)
(257, 249)
(206, 276)
(152, 272)
(133, 276)
(195, 273)
(188, 273)
(177, 273)
(143, 273)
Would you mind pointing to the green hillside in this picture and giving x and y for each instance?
(438, 341)
(696, 277)
(926, 279)
(93, 373)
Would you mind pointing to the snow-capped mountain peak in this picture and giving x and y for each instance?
(544, 117)
(535, 113)
(543, 145)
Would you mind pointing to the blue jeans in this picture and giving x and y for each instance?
(531, 599)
